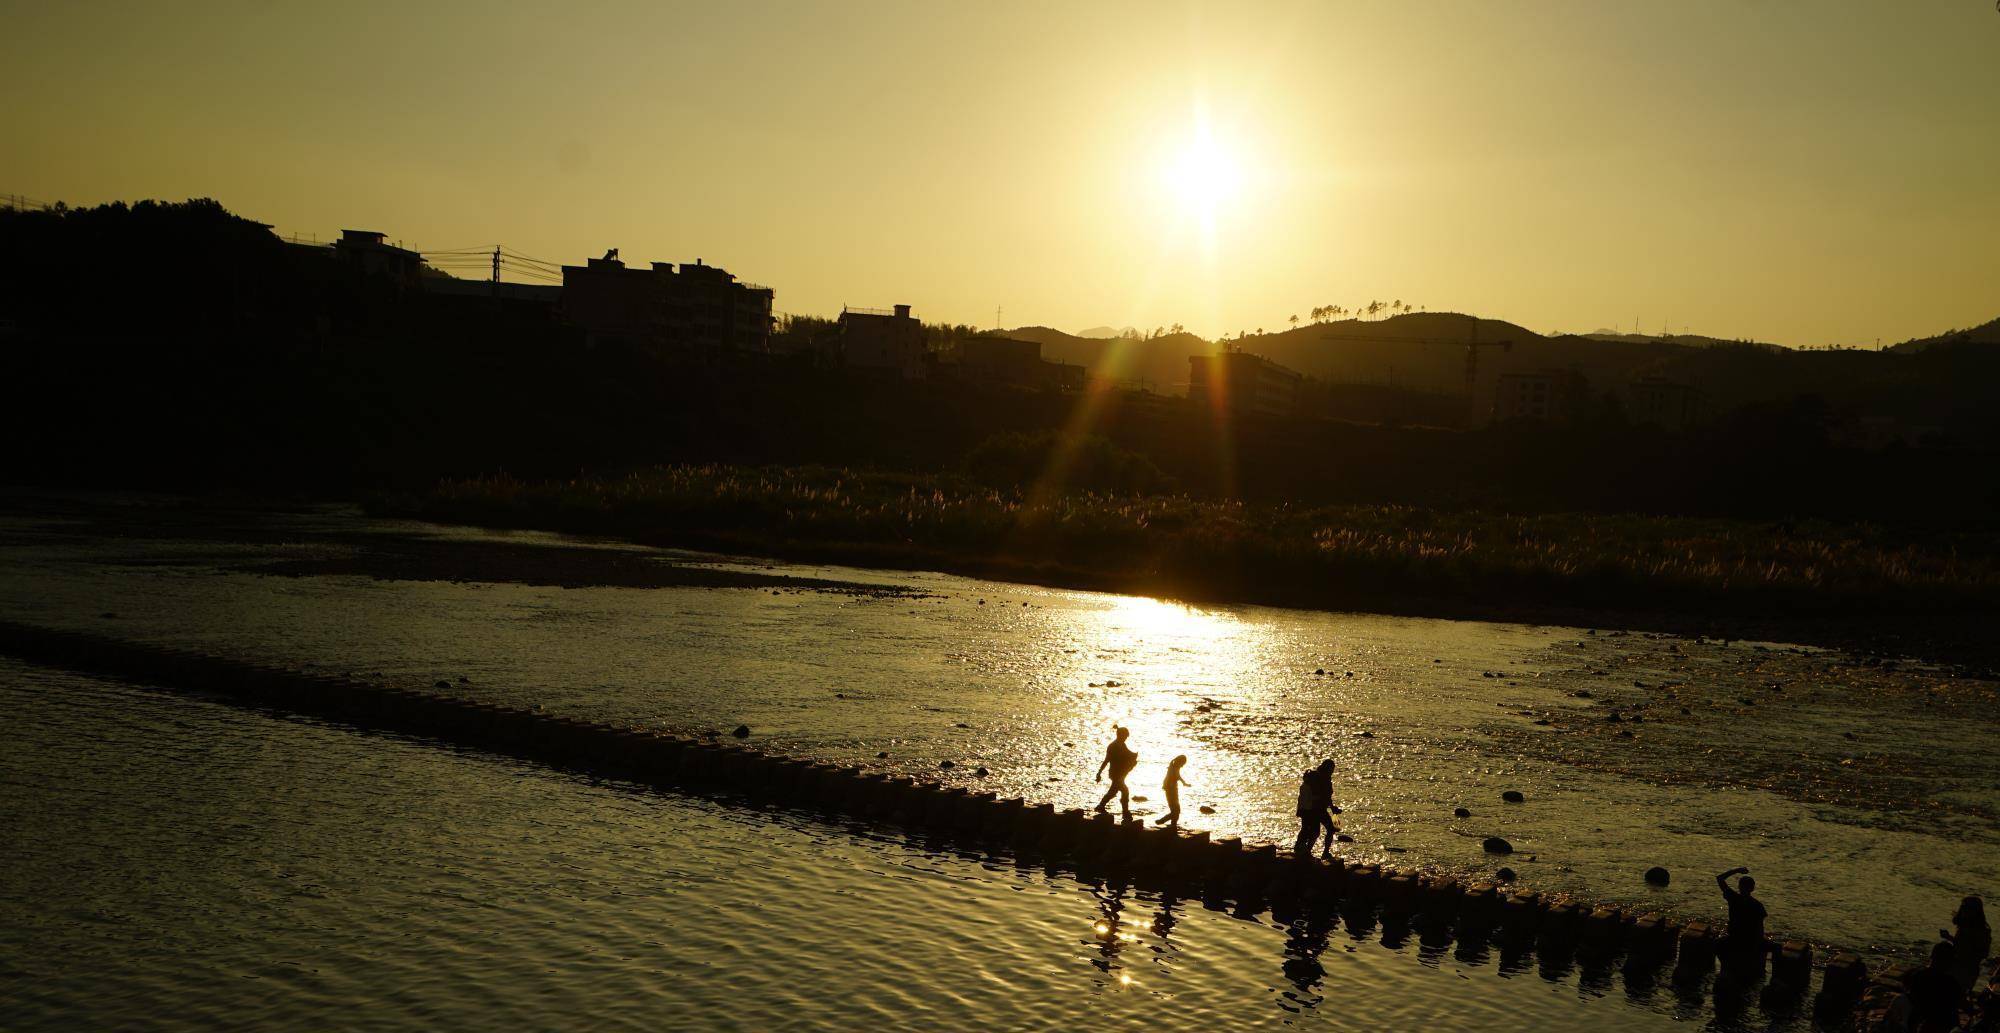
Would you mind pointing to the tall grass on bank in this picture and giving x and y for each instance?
(1336, 556)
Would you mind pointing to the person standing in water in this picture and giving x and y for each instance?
(1315, 811)
(1971, 939)
(1744, 946)
(1119, 760)
(1173, 786)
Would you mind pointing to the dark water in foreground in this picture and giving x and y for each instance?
(183, 865)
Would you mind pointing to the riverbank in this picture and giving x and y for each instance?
(1858, 587)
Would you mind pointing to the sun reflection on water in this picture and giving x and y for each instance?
(1193, 662)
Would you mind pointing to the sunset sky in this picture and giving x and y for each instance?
(1804, 172)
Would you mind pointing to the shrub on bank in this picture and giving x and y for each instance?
(1336, 555)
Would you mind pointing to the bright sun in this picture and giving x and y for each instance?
(1204, 175)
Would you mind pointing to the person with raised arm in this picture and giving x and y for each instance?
(1744, 946)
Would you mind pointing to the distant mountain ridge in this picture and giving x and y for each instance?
(1684, 340)
(1984, 333)
(1426, 352)
(1422, 351)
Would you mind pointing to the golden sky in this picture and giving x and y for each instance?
(1805, 171)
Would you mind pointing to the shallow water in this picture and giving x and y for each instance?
(178, 864)
(1864, 798)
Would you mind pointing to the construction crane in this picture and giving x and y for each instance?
(1470, 342)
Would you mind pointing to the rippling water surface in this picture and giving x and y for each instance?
(1863, 796)
(183, 865)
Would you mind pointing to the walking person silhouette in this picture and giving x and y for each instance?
(1315, 811)
(1119, 760)
(1173, 786)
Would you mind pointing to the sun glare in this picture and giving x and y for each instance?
(1142, 616)
(1204, 175)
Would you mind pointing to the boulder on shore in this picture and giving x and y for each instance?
(1496, 845)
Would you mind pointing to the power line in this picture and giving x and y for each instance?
(497, 262)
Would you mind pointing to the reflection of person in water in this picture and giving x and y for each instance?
(1164, 920)
(1304, 943)
(1108, 929)
(1172, 786)
(1315, 811)
(1119, 760)
(1744, 946)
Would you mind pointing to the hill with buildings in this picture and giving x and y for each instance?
(347, 363)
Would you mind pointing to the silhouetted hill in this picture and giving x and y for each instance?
(1159, 363)
(1684, 340)
(1104, 332)
(250, 361)
(1985, 333)
(1422, 350)
(1426, 351)
(153, 267)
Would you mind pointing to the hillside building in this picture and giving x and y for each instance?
(1239, 382)
(1667, 403)
(890, 343)
(371, 252)
(1546, 396)
(697, 307)
(1006, 362)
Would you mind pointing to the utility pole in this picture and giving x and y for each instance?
(996, 317)
(496, 263)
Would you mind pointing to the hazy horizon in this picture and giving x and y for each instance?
(1800, 175)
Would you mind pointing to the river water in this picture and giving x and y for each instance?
(215, 863)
